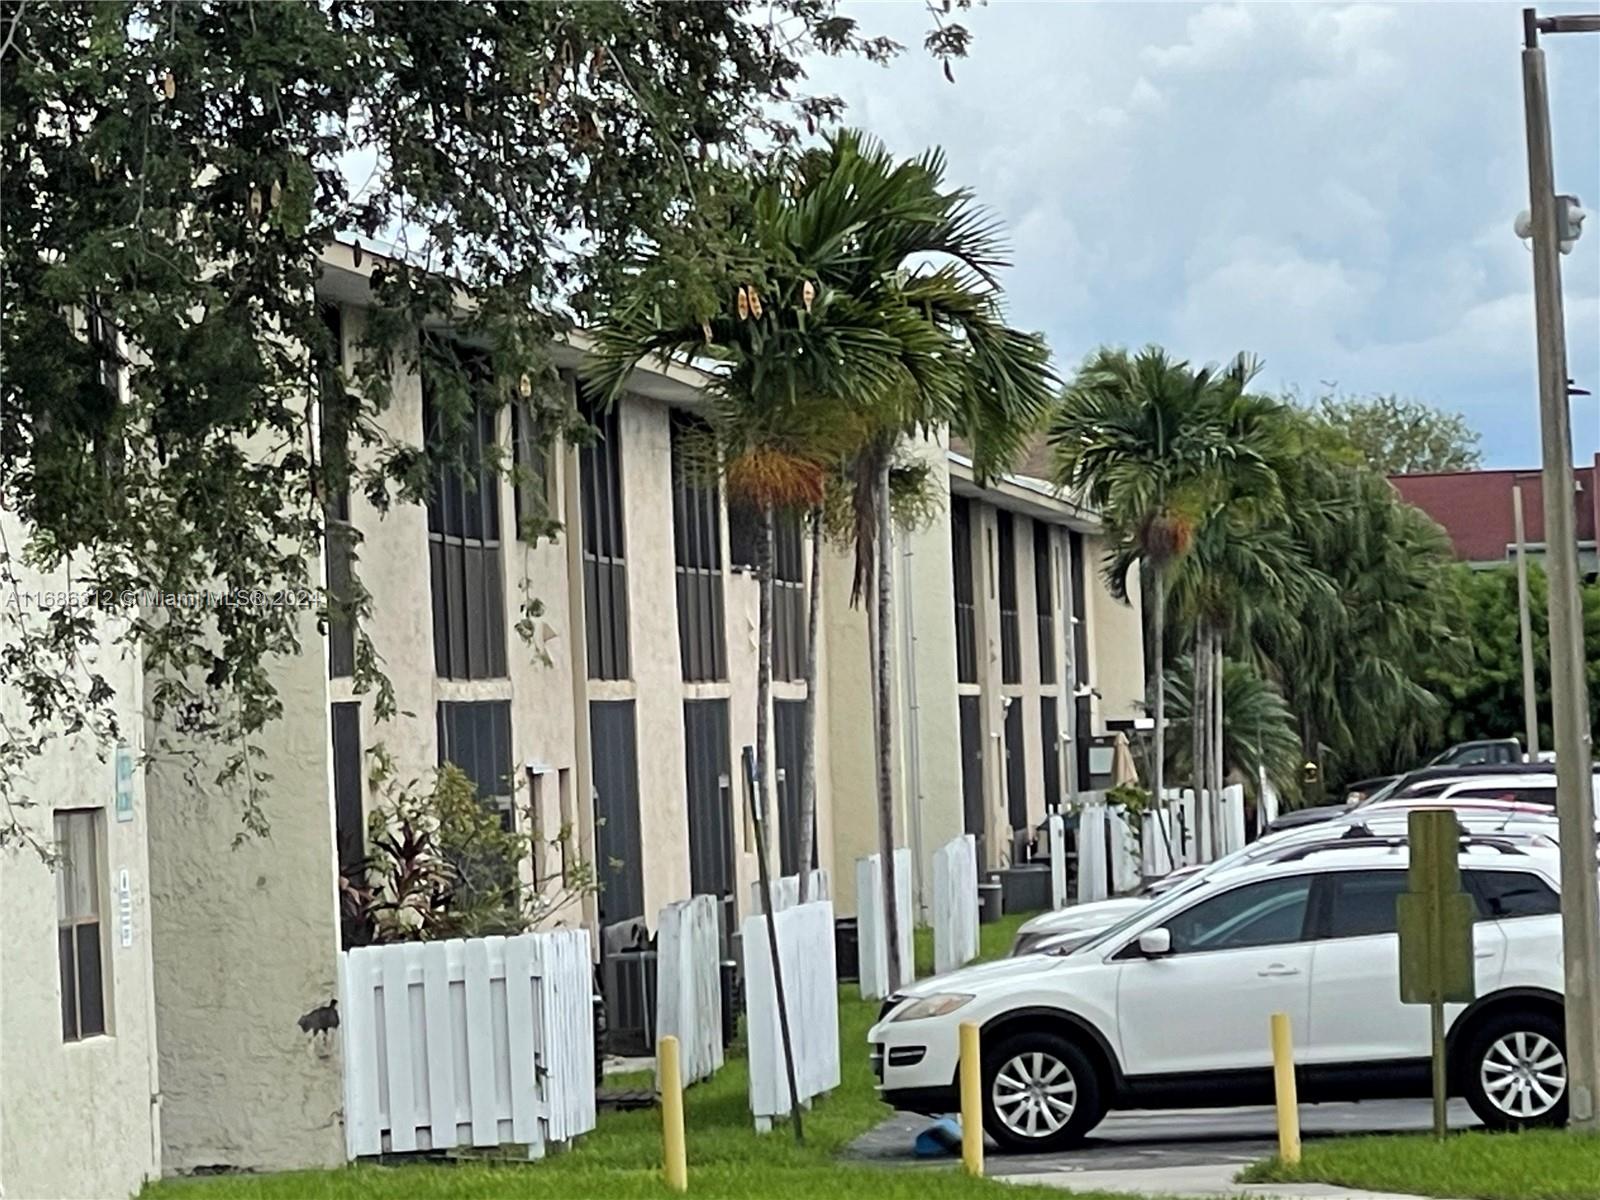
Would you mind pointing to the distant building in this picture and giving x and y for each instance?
(1475, 508)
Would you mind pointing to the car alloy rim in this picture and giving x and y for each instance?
(1034, 1094)
(1524, 1074)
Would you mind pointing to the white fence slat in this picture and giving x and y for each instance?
(361, 1129)
(955, 904)
(520, 974)
(806, 952)
(441, 1045)
(872, 923)
(1057, 826)
(1125, 851)
(1092, 881)
(568, 1030)
(1233, 837)
(397, 1025)
(1158, 841)
(689, 985)
(480, 1042)
(786, 891)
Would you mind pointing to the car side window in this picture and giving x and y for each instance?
(1362, 903)
(1268, 913)
(1503, 895)
(1519, 795)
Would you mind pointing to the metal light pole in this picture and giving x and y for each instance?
(1580, 904)
(1530, 693)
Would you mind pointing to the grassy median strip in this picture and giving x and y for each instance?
(621, 1159)
(1541, 1165)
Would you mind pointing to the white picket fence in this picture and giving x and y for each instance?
(1093, 881)
(1188, 844)
(689, 985)
(476, 1042)
(1056, 832)
(786, 891)
(872, 937)
(955, 904)
(1109, 850)
(810, 986)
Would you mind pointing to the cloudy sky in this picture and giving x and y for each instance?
(1330, 187)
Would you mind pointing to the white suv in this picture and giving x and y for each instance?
(1170, 1008)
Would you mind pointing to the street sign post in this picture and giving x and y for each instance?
(1435, 922)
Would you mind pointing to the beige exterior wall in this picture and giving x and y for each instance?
(77, 1118)
(246, 937)
(1116, 641)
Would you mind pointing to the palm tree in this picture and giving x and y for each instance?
(1259, 732)
(1146, 438)
(876, 317)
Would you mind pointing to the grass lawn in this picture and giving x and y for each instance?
(622, 1157)
(1543, 1165)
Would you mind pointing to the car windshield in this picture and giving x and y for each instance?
(1384, 792)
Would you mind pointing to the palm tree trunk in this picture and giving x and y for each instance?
(1158, 678)
(884, 718)
(1219, 779)
(808, 756)
(1198, 701)
(764, 664)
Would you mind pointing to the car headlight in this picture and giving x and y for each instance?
(931, 1006)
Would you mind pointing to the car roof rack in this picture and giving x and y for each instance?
(1358, 837)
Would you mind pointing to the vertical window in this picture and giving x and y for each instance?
(337, 417)
(966, 610)
(469, 621)
(605, 569)
(1050, 743)
(78, 834)
(349, 812)
(475, 736)
(788, 596)
(697, 550)
(788, 718)
(1010, 634)
(1044, 601)
(1016, 766)
(1080, 656)
(618, 845)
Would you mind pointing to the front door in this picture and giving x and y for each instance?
(1236, 959)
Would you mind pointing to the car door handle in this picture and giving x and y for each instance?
(1277, 971)
(1483, 954)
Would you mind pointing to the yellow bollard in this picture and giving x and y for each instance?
(677, 1163)
(1283, 1080)
(971, 1101)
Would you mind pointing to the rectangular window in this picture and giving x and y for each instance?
(78, 834)
(788, 719)
(1050, 743)
(475, 735)
(349, 814)
(710, 798)
(1363, 903)
(966, 609)
(1016, 766)
(697, 550)
(605, 568)
(469, 619)
(1503, 895)
(1044, 599)
(614, 755)
(1010, 633)
(788, 596)
(1080, 656)
(338, 416)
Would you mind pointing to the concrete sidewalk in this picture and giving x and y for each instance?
(1197, 1180)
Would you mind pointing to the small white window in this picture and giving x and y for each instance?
(78, 927)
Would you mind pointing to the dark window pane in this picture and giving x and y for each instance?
(1502, 895)
(744, 534)
(966, 611)
(69, 981)
(1050, 742)
(1044, 601)
(1362, 903)
(1010, 634)
(1269, 913)
(349, 818)
(697, 549)
(618, 845)
(91, 996)
(605, 571)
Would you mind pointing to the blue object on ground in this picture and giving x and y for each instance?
(941, 1138)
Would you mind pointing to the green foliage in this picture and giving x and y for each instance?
(1482, 690)
(170, 177)
(443, 864)
(1398, 437)
(1258, 728)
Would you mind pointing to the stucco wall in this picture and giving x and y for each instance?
(78, 1118)
(1116, 640)
(246, 938)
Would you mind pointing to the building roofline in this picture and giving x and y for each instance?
(1024, 494)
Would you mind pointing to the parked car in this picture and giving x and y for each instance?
(1485, 752)
(1066, 929)
(1169, 1008)
(1424, 781)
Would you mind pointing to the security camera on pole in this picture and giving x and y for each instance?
(1553, 223)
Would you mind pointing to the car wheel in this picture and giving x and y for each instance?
(1514, 1071)
(1040, 1092)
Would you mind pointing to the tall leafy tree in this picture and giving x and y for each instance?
(1399, 436)
(878, 319)
(172, 173)
(1145, 437)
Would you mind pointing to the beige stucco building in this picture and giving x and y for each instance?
(617, 706)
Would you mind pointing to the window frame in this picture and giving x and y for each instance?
(73, 1030)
